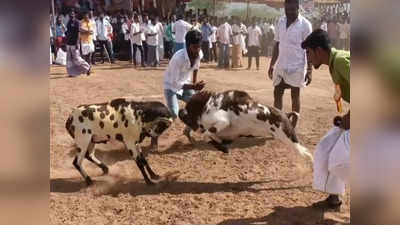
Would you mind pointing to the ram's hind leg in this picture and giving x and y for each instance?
(83, 146)
(92, 158)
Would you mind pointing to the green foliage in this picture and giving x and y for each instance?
(207, 4)
(256, 11)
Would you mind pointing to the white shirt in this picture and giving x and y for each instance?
(254, 36)
(224, 33)
(180, 28)
(160, 31)
(179, 71)
(213, 36)
(292, 60)
(236, 38)
(125, 31)
(143, 29)
(136, 39)
(104, 29)
(152, 40)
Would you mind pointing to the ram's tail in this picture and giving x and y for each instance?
(69, 127)
(303, 151)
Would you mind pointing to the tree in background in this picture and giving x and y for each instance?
(260, 11)
(208, 4)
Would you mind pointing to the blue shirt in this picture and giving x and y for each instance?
(206, 32)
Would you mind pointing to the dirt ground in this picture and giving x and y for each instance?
(261, 181)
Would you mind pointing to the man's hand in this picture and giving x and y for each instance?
(199, 86)
(342, 122)
(270, 72)
(308, 78)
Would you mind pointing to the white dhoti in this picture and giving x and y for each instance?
(332, 162)
(87, 48)
(293, 77)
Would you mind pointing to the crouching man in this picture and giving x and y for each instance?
(332, 156)
(180, 79)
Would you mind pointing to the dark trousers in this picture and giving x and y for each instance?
(205, 47)
(213, 52)
(254, 51)
(145, 49)
(135, 48)
(169, 47)
(279, 90)
(108, 46)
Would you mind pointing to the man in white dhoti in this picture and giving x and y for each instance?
(291, 70)
(86, 35)
(332, 156)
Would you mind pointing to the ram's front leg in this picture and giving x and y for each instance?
(212, 133)
(136, 153)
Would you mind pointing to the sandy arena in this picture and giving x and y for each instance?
(261, 180)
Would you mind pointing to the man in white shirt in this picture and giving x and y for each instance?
(152, 42)
(126, 31)
(160, 45)
(243, 30)
(180, 78)
(104, 30)
(236, 44)
(224, 34)
(292, 71)
(136, 37)
(254, 44)
(180, 29)
(144, 26)
(213, 39)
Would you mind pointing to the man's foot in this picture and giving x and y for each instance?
(332, 202)
(89, 71)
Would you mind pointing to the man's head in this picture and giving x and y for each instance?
(145, 18)
(72, 14)
(101, 15)
(205, 20)
(173, 18)
(135, 18)
(318, 47)
(292, 9)
(193, 41)
(193, 21)
(86, 15)
(153, 21)
(254, 21)
(91, 14)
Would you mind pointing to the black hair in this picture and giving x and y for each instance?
(318, 38)
(192, 37)
(292, 1)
